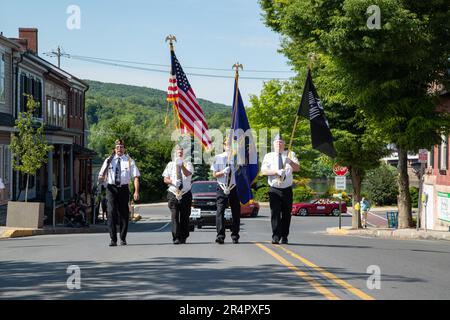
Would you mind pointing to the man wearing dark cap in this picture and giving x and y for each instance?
(117, 171)
(177, 176)
(278, 166)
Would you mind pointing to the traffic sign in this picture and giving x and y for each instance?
(423, 155)
(339, 170)
(340, 182)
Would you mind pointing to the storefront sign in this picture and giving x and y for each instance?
(443, 206)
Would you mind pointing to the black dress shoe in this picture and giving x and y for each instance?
(220, 241)
(183, 241)
(275, 241)
(123, 243)
(113, 244)
(235, 241)
(176, 241)
(284, 241)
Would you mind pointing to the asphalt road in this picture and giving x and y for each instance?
(313, 266)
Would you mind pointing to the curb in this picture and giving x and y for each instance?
(402, 234)
(17, 233)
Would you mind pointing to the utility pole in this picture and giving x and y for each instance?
(423, 154)
(58, 53)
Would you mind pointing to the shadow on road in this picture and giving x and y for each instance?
(162, 278)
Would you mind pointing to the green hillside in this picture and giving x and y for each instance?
(105, 100)
(137, 114)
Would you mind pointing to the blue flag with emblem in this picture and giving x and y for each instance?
(244, 148)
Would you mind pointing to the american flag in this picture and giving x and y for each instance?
(189, 111)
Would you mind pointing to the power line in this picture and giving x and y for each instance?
(58, 53)
(166, 65)
(98, 61)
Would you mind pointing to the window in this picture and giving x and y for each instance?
(23, 181)
(430, 160)
(443, 154)
(32, 86)
(76, 105)
(64, 116)
(7, 164)
(49, 111)
(2, 78)
(81, 105)
(37, 95)
(55, 113)
(60, 113)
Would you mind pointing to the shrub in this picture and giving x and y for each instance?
(262, 194)
(381, 185)
(302, 193)
(414, 196)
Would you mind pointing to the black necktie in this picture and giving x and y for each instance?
(117, 174)
(179, 177)
(280, 162)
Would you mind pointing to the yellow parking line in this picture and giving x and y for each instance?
(324, 291)
(330, 276)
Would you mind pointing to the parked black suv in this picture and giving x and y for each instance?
(204, 206)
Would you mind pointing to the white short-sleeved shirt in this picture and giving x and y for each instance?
(220, 163)
(127, 167)
(270, 162)
(171, 172)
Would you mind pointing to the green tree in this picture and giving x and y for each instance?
(275, 109)
(387, 72)
(29, 147)
(381, 185)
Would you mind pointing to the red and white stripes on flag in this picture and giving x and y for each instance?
(189, 111)
(172, 90)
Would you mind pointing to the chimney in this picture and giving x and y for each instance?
(31, 35)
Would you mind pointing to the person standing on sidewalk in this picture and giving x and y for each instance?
(177, 175)
(117, 171)
(223, 170)
(365, 206)
(280, 180)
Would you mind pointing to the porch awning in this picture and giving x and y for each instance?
(82, 151)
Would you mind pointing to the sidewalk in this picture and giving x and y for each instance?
(400, 234)
(8, 232)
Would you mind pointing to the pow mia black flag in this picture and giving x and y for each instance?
(311, 109)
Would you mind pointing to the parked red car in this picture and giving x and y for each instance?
(318, 207)
(250, 210)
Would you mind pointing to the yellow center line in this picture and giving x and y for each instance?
(329, 275)
(316, 285)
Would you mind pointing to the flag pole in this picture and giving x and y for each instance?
(311, 58)
(171, 38)
(236, 67)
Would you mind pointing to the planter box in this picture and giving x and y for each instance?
(25, 215)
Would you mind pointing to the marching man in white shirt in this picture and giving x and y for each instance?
(224, 170)
(117, 171)
(278, 166)
(177, 176)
